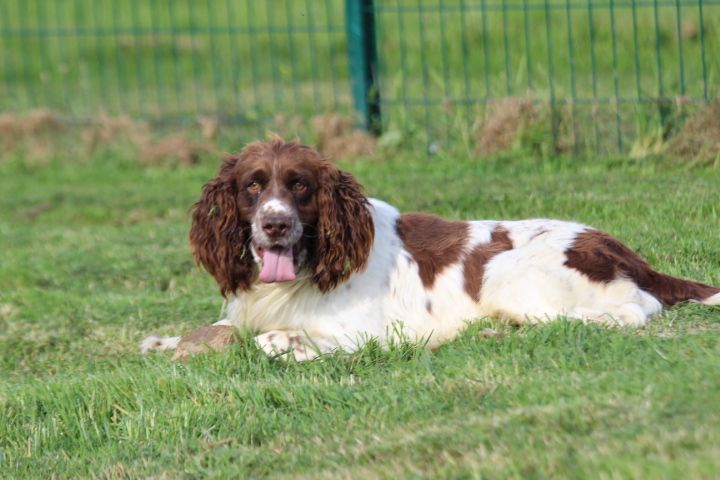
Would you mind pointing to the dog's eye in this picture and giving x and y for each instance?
(299, 187)
(254, 187)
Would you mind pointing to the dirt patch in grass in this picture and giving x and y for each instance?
(699, 138)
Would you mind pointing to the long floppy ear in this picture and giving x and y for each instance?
(218, 235)
(345, 229)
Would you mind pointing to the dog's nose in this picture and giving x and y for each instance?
(276, 226)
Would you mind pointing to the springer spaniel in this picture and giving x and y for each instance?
(312, 265)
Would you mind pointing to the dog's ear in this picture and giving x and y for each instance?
(219, 235)
(345, 229)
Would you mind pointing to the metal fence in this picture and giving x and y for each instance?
(244, 61)
(604, 72)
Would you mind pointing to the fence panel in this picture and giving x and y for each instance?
(599, 73)
(244, 61)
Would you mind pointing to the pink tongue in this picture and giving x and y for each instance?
(277, 266)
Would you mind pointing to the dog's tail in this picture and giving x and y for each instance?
(603, 258)
(672, 290)
(714, 300)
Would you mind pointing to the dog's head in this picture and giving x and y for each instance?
(278, 209)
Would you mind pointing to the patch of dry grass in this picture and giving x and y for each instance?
(41, 134)
(504, 121)
(36, 129)
(337, 138)
(514, 123)
(175, 149)
(699, 139)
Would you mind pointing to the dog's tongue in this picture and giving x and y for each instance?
(277, 265)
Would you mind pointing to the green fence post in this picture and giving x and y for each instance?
(362, 52)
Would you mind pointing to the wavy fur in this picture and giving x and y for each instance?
(219, 235)
(345, 229)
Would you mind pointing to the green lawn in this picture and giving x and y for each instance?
(94, 256)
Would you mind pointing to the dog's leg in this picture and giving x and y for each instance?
(223, 323)
(153, 343)
(294, 343)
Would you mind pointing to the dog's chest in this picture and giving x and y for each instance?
(278, 306)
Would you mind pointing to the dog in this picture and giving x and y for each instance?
(312, 265)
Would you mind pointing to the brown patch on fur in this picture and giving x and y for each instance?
(479, 256)
(215, 338)
(428, 306)
(219, 234)
(338, 139)
(602, 259)
(345, 228)
(434, 243)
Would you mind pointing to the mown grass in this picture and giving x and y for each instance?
(93, 256)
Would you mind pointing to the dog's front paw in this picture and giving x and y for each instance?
(153, 343)
(287, 344)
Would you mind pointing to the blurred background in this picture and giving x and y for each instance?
(578, 76)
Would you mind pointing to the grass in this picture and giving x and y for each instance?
(94, 256)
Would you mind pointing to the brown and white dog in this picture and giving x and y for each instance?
(312, 265)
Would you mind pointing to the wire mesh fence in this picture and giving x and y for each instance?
(604, 72)
(598, 73)
(171, 60)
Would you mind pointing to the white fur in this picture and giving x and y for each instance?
(531, 284)
(714, 300)
(159, 344)
(388, 302)
(275, 206)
